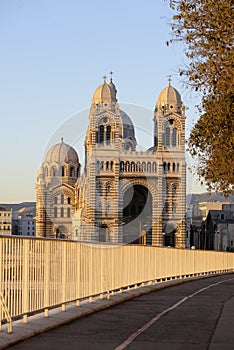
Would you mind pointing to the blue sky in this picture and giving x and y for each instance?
(53, 56)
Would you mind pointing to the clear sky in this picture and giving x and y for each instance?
(53, 56)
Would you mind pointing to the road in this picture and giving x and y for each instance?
(191, 316)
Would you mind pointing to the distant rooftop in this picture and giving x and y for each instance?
(3, 209)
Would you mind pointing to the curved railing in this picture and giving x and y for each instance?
(38, 274)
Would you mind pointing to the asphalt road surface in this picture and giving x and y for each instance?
(193, 315)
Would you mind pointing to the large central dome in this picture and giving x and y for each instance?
(105, 93)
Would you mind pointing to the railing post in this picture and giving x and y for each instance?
(47, 259)
(78, 288)
(1, 283)
(64, 275)
(25, 281)
(3, 305)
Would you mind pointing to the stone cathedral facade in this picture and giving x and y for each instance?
(122, 195)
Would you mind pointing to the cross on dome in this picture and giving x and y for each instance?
(169, 79)
(104, 77)
(111, 74)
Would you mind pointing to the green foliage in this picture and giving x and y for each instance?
(206, 28)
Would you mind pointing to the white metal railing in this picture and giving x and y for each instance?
(39, 274)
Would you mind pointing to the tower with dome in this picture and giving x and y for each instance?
(122, 195)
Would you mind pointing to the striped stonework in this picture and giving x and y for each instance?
(123, 195)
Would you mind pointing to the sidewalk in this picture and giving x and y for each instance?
(223, 337)
(38, 323)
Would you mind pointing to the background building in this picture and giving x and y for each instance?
(5, 221)
(218, 229)
(200, 211)
(123, 195)
(24, 225)
(212, 226)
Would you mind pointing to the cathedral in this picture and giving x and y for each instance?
(122, 195)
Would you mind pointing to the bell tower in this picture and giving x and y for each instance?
(169, 142)
(110, 131)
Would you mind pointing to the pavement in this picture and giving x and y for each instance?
(38, 324)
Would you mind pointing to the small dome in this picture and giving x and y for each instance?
(105, 93)
(62, 153)
(4, 209)
(169, 99)
(128, 127)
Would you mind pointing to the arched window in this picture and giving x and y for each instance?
(62, 212)
(68, 200)
(101, 134)
(62, 172)
(164, 166)
(167, 137)
(68, 212)
(107, 165)
(143, 166)
(53, 171)
(173, 167)
(71, 172)
(99, 187)
(55, 212)
(174, 137)
(154, 167)
(127, 166)
(121, 166)
(168, 166)
(132, 166)
(108, 134)
(62, 199)
(55, 200)
(138, 166)
(149, 167)
(107, 188)
(111, 165)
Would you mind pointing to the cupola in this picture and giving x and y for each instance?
(169, 100)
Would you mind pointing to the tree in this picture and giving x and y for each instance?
(206, 29)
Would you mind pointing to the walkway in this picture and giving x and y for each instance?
(194, 315)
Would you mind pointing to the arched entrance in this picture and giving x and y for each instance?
(61, 232)
(137, 215)
(104, 233)
(169, 233)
